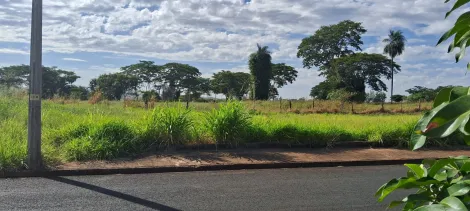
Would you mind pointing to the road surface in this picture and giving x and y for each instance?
(340, 188)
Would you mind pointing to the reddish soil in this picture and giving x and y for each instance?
(256, 156)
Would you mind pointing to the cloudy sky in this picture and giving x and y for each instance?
(92, 37)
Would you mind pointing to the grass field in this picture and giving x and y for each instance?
(80, 131)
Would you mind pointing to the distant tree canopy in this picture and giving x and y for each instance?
(149, 74)
(231, 84)
(322, 90)
(282, 75)
(55, 81)
(168, 81)
(335, 49)
(199, 87)
(376, 97)
(79, 92)
(398, 98)
(424, 94)
(330, 42)
(356, 71)
(114, 85)
(14, 76)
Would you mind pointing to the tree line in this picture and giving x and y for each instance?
(336, 50)
(168, 82)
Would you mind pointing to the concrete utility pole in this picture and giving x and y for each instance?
(35, 89)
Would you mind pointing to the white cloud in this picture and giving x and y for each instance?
(206, 30)
(13, 51)
(222, 31)
(74, 60)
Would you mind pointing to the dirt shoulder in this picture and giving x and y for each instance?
(262, 156)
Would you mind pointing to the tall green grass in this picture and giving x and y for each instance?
(228, 124)
(79, 132)
(169, 126)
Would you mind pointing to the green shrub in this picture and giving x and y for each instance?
(229, 123)
(169, 126)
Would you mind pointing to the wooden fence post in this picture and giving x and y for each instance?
(313, 104)
(419, 105)
(290, 105)
(280, 104)
(352, 107)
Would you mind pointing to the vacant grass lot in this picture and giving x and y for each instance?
(81, 131)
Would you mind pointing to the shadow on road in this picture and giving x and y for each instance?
(123, 196)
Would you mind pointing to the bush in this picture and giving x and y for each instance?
(398, 98)
(169, 126)
(229, 123)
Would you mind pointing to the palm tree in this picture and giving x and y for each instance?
(261, 71)
(395, 47)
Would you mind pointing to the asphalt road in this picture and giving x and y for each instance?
(340, 188)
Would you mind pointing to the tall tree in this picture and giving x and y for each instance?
(261, 72)
(231, 84)
(425, 94)
(197, 87)
(356, 71)
(79, 92)
(57, 81)
(330, 42)
(395, 47)
(178, 78)
(149, 74)
(283, 74)
(115, 85)
(14, 76)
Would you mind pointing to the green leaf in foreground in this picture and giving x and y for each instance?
(434, 207)
(454, 203)
(448, 118)
(458, 189)
(458, 92)
(418, 170)
(442, 131)
(457, 5)
(417, 140)
(442, 97)
(394, 204)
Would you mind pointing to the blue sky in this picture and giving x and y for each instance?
(92, 37)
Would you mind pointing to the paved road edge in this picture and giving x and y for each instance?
(83, 172)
